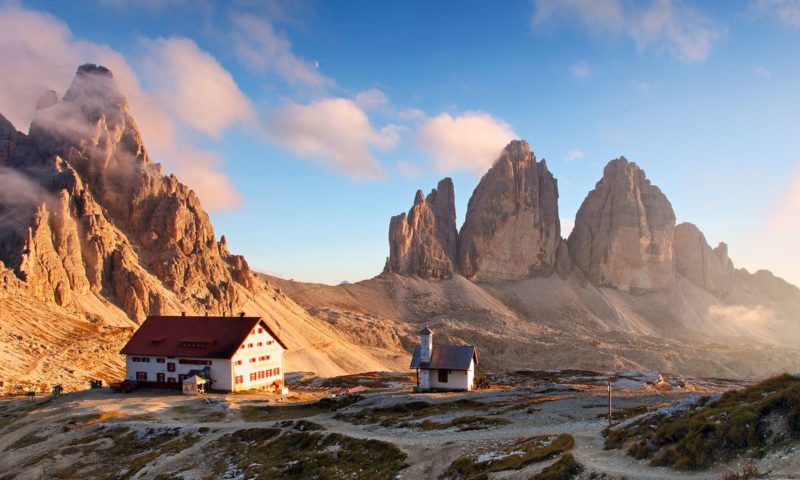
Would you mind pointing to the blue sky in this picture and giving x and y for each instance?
(304, 126)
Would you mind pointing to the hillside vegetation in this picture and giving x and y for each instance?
(748, 422)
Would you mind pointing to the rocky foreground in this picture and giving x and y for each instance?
(529, 424)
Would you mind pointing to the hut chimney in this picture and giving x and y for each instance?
(425, 345)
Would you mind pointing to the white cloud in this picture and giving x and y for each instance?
(409, 169)
(194, 86)
(372, 99)
(661, 25)
(40, 53)
(581, 70)
(573, 155)
(470, 141)
(762, 72)
(601, 15)
(645, 87)
(566, 227)
(335, 132)
(786, 11)
(261, 48)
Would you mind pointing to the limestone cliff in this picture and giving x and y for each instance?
(623, 231)
(105, 218)
(424, 242)
(511, 230)
(709, 269)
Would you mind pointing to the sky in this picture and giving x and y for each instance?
(304, 126)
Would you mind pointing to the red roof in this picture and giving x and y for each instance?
(204, 337)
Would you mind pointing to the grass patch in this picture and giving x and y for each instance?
(564, 469)
(526, 404)
(301, 425)
(120, 452)
(26, 440)
(199, 412)
(89, 419)
(372, 380)
(260, 453)
(462, 424)
(625, 413)
(14, 410)
(738, 422)
(514, 456)
(557, 377)
(261, 413)
(404, 414)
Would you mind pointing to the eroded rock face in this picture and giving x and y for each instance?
(512, 229)
(424, 241)
(103, 216)
(624, 230)
(709, 269)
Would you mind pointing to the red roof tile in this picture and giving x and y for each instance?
(204, 337)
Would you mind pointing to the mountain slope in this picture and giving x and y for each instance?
(95, 236)
(628, 290)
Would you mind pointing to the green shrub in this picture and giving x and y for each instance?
(564, 469)
(708, 431)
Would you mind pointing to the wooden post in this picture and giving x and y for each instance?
(609, 401)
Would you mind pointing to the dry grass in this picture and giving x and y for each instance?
(405, 415)
(564, 469)
(709, 431)
(89, 419)
(260, 453)
(260, 413)
(514, 456)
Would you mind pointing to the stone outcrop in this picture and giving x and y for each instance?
(512, 229)
(424, 241)
(709, 269)
(623, 231)
(104, 218)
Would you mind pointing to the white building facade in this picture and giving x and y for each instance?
(233, 353)
(443, 367)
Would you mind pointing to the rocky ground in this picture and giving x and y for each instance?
(524, 423)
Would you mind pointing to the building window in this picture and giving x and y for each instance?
(270, 342)
(277, 371)
(253, 377)
(141, 376)
(171, 380)
(181, 377)
(253, 360)
(186, 361)
(249, 345)
(238, 380)
(160, 360)
(238, 362)
(260, 330)
(260, 344)
(194, 344)
(171, 367)
(160, 377)
(261, 375)
(442, 376)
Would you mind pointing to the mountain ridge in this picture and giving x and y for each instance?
(96, 237)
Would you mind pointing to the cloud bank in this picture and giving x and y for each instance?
(470, 141)
(335, 132)
(660, 25)
(169, 100)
